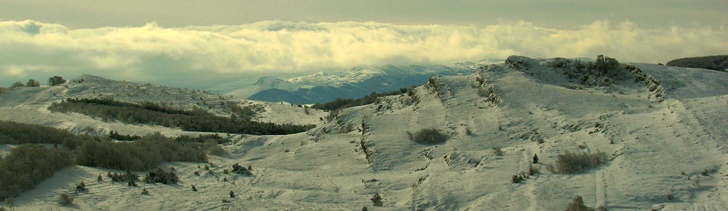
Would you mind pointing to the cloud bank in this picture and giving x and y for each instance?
(200, 56)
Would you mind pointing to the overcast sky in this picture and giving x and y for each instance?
(176, 42)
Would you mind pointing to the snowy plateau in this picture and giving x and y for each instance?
(663, 130)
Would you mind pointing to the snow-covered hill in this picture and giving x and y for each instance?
(663, 129)
(29, 105)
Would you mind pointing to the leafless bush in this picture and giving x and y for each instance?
(497, 151)
(217, 150)
(428, 136)
(64, 199)
(571, 163)
(578, 205)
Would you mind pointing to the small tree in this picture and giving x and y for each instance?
(232, 194)
(535, 159)
(56, 80)
(17, 84)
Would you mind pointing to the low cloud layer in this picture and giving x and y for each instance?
(201, 56)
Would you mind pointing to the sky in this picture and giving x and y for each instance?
(199, 44)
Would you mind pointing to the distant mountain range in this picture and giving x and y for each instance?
(353, 83)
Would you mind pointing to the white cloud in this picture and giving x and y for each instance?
(155, 53)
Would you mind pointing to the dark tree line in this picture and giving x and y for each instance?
(143, 105)
(53, 81)
(28, 165)
(706, 62)
(20, 133)
(116, 136)
(184, 139)
(340, 103)
(196, 119)
(143, 154)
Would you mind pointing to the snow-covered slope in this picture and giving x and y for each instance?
(660, 134)
(29, 105)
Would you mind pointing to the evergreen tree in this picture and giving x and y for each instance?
(535, 158)
(32, 83)
(17, 84)
(56, 80)
(377, 200)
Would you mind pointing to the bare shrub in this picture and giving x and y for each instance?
(497, 151)
(10, 202)
(348, 127)
(571, 163)
(533, 170)
(64, 199)
(217, 150)
(333, 114)
(578, 205)
(551, 168)
(428, 136)
(161, 176)
(517, 178)
(238, 169)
